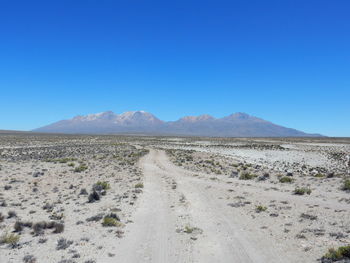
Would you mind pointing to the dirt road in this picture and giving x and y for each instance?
(180, 219)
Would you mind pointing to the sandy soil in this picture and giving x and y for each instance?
(176, 202)
(173, 200)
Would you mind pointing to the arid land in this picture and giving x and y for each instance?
(172, 199)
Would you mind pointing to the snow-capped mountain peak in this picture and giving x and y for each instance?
(142, 122)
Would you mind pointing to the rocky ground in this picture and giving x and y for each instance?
(57, 193)
(159, 199)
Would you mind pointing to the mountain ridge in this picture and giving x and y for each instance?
(141, 122)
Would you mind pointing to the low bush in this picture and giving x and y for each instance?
(308, 216)
(192, 230)
(18, 227)
(346, 185)
(65, 160)
(56, 216)
(189, 229)
(38, 228)
(111, 221)
(29, 259)
(247, 176)
(302, 191)
(286, 179)
(62, 160)
(80, 168)
(58, 228)
(260, 208)
(63, 243)
(338, 254)
(12, 214)
(319, 175)
(11, 239)
(104, 184)
(95, 218)
(94, 196)
(83, 191)
(139, 185)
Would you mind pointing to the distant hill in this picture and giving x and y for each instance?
(141, 122)
(12, 132)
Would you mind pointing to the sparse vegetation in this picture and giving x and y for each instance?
(260, 208)
(80, 168)
(61, 160)
(95, 218)
(247, 176)
(12, 214)
(9, 238)
(130, 157)
(302, 191)
(346, 185)
(18, 227)
(40, 227)
(58, 228)
(29, 259)
(139, 185)
(111, 220)
(83, 191)
(338, 254)
(286, 179)
(104, 184)
(319, 175)
(63, 243)
(193, 231)
(189, 229)
(53, 192)
(308, 216)
(94, 196)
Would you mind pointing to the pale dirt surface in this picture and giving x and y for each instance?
(295, 154)
(153, 237)
(193, 207)
(59, 186)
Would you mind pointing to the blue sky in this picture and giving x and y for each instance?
(285, 61)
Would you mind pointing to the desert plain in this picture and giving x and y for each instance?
(81, 198)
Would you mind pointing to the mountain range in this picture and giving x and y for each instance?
(141, 122)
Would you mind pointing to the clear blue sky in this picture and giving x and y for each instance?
(287, 61)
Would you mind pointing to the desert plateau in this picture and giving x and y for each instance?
(84, 198)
